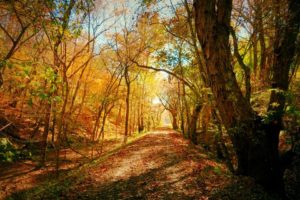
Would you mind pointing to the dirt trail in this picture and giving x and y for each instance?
(160, 165)
(24, 175)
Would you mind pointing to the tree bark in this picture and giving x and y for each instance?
(127, 80)
(174, 120)
(186, 108)
(255, 141)
(255, 59)
(193, 124)
(261, 38)
(221, 143)
(213, 27)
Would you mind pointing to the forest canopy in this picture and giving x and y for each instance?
(81, 78)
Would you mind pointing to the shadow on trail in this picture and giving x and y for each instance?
(156, 166)
(149, 185)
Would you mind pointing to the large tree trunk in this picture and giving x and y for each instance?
(255, 143)
(212, 25)
(264, 164)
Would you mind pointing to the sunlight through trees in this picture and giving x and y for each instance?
(81, 79)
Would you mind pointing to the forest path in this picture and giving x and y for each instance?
(159, 165)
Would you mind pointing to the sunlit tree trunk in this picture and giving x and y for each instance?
(141, 125)
(127, 104)
(181, 108)
(106, 113)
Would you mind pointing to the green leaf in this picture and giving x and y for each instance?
(53, 88)
(43, 96)
(57, 99)
(217, 170)
(30, 102)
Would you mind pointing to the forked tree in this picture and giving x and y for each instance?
(255, 139)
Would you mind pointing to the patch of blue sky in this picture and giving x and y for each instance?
(110, 17)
